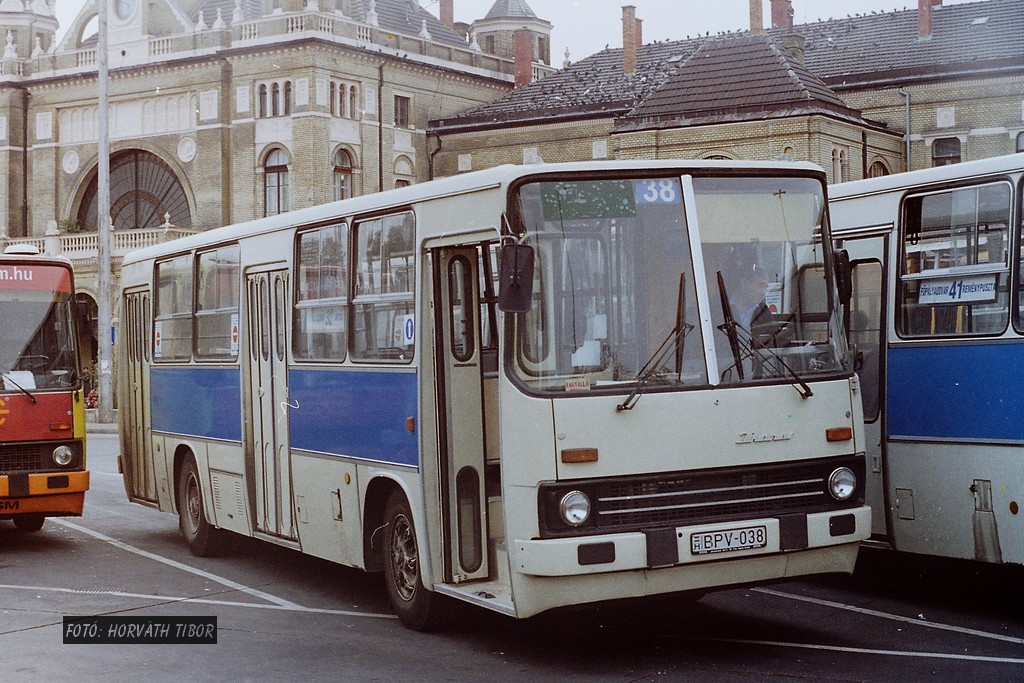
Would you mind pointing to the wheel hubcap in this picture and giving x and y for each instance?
(404, 558)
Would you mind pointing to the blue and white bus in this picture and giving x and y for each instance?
(937, 318)
(524, 388)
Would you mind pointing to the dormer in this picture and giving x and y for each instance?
(495, 33)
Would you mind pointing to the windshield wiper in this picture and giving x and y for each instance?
(10, 380)
(750, 345)
(729, 326)
(673, 342)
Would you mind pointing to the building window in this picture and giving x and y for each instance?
(403, 109)
(878, 169)
(839, 165)
(261, 105)
(342, 175)
(946, 151)
(344, 101)
(275, 183)
(274, 99)
(1020, 142)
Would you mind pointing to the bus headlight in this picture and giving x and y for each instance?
(842, 483)
(62, 456)
(574, 508)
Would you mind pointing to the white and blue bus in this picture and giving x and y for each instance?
(937, 318)
(525, 387)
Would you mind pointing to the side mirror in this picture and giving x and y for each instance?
(844, 276)
(515, 273)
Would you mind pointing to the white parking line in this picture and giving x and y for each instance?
(179, 565)
(894, 617)
(204, 601)
(869, 651)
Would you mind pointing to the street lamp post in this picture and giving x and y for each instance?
(103, 226)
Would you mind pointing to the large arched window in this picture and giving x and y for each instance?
(275, 183)
(144, 193)
(342, 175)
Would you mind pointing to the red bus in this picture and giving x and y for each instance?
(42, 400)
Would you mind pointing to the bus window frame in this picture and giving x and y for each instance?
(198, 314)
(343, 299)
(158, 318)
(381, 301)
(1004, 273)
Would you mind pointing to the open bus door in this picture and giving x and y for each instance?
(460, 406)
(867, 335)
(137, 460)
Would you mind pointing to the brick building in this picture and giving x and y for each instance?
(843, 93)
(222, 111)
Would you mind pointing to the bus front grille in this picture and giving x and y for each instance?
(21, 458)
(701, 496)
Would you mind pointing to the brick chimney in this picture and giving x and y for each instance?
(522, 46)
(756, 16)
(447, 13)
(924, 17)
(794, 44)
(782, 14)
(629, 30)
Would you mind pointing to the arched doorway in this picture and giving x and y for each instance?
(143, 191)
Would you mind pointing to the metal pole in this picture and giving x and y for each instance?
(906, 136)
(104, 326)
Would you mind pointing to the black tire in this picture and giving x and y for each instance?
(416, 607)
(29, 523)
(202, 537)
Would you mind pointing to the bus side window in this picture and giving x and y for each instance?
(954, 267)
(383, 327)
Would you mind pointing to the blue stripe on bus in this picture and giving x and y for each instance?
(957, 391)
(360, 414)
(199, 401)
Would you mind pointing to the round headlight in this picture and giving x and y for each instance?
(62, 455)
(842, 483)
(574, 508)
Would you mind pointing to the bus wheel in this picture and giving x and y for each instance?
(29, 522)
(200, 535)
(417, 608)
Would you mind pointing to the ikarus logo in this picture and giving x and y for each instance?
(4, 412)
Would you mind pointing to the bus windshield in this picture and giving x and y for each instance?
(620, 272)
(37, 349)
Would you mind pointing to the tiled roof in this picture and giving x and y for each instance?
(839, 53)
(510, 9)
(593, 86)
(886, 46)
(737, 77)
